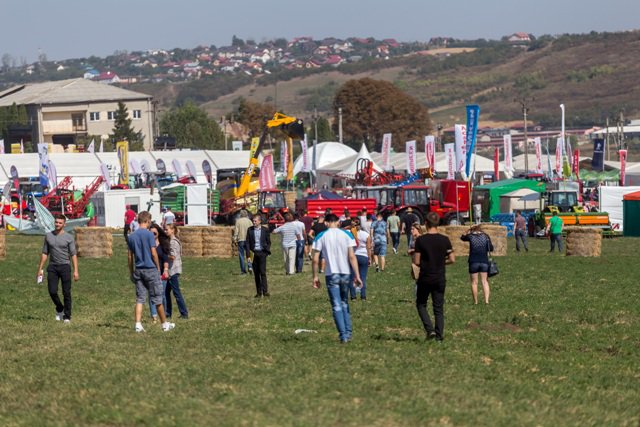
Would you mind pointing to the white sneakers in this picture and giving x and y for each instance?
(167, 326)
(59, 316)
(139, 327)
(67, 321)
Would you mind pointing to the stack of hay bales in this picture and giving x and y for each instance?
(191, 240)
(217, 242)
(94, 242)
(583, 241)
(290, 199)
(3, 244)
(497, 233)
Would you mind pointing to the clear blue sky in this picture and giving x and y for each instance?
(78, 28)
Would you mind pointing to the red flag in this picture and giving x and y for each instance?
(267, 174)
(576, 162)
(496, 163)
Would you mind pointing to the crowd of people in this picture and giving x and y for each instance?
(342, 248)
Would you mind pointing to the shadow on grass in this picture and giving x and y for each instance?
(397, 338)
(112, 325)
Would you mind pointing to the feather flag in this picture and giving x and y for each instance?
(473, 112)
(430, 151)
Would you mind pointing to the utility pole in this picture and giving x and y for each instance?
(525, 110)
(224, 130)
(340, 125)
(315, 146)
(439, 128)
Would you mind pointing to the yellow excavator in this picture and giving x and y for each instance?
(292, 128)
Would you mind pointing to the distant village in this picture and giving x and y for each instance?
(248, 57)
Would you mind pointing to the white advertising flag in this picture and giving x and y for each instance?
(430, 151)
(508, 156)
(91, 147)
(305, 158)
(449, 150)
(538, 144)
(559, 146)
(1, 146)
(386, 151)
(461, 149)
(411, 157)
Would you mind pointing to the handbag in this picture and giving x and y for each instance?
(415, 271)
(493, 268)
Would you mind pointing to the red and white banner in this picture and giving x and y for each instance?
(386, 151)
(508, 156)
(430, 151)
(623, 166)
(537, 142)
(449, 150)
(411, 157)
(496, 163)
(461, 148)
(576, 162)
(305, 156)
(284, 158)
(267, 174)
(559, 145)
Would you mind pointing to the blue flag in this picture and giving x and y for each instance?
(473, 111)
(598, 154)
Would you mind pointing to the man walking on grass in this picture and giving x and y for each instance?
(258, 241)
(554, 229)
(239, 235)
(60, 246)
(144, 270)
(432, 252)
(337, 248)
(520, 231)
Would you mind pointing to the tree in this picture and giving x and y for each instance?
(123, 130)
(324, 131)
(253, 115)
(192, 128)
(14, 115)
(237, 42)
(371, 108)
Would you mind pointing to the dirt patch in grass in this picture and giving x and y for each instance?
(500, 327)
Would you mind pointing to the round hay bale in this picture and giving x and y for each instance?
(191, 239)
(3, 244)
(94, 242)
(497, 234)
(217, 242)
(583, 241)
(454, 232)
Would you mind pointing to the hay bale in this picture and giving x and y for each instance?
(191, 239)
(583, 241)
(454, 232)
(497, 233)
(3, 244)
(94, 242)
(217, 242)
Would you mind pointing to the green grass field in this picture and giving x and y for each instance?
(558, 346)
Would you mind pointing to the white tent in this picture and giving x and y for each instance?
(352, 168)
(522, 199)
(611, 202)
(328, 153)
(399, 162)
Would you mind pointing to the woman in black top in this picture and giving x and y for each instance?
(479, 247)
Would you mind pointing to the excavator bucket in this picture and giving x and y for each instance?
(294, 130)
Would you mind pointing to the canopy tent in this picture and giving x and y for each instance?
(399, 162)
(631, 213)
(611, 202)
(522, 199)
(327, 153)
(352, 167)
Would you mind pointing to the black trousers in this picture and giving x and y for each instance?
(56, 273)
(127, 230)
(436, 290)
(260, 272)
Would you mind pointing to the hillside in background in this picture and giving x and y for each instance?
(594, 75)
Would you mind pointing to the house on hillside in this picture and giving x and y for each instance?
(61, 111)
(519, 38)
(91, 74)
(108, 77)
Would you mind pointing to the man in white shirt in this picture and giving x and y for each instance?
(168, 217)
(337, 248)
(302, 232)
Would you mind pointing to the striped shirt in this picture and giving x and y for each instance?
(289, 231)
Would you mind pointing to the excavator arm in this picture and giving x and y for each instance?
(292, 127)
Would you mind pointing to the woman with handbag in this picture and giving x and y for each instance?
(479, 248)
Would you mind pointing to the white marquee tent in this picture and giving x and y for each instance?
(328, 152)
(351, 169)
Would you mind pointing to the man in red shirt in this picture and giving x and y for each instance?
(129, 217)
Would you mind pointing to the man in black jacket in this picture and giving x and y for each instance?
(258, 241)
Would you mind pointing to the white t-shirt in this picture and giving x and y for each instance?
(363, 236)
(302, 230)
(334, 244)
(168, 217)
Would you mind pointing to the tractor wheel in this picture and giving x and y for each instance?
(452, 220)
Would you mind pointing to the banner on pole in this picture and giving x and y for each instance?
(559, 145)
(53, 175)
(460, 147)
(283, 156)
(43, 157)
(496, 163)
(267, 174)
(430, 151)
(576, 163)
(122, 148)
(623, 166)
(305, 160)
(386, 151)
(508, 156)
(597, 160)
(206, 168)
(1, 146)
(449, 150)
(538, 145)
(411, 157)
(473, 112)
(91, 147)
(289, 159)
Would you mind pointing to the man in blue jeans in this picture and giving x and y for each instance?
(337, 249)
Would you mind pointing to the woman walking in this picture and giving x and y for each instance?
(379, 232)
(175, 270)
(363, 255)
(163, 249)
(479, 247)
